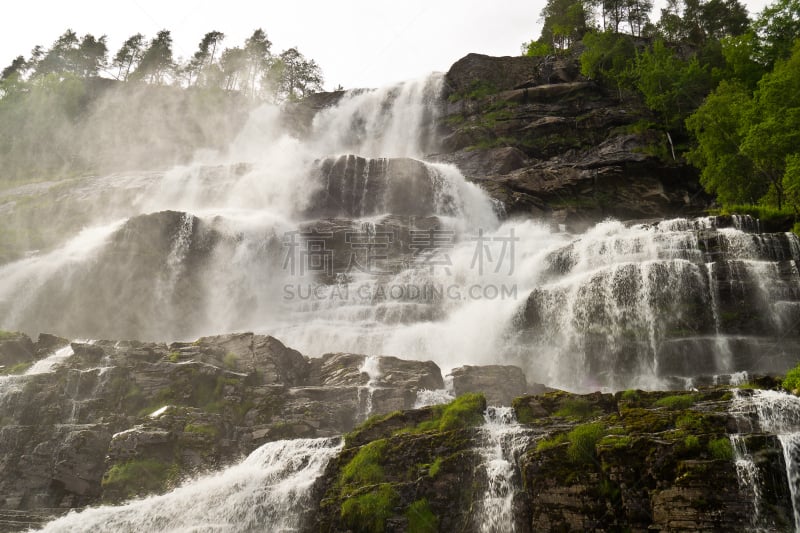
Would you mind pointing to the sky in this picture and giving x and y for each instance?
(357, 43)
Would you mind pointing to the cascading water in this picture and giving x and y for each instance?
(372, 368)
(503, 440)
(775, 413)
(346, 240)
(271, 488)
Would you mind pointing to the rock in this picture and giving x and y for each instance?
(499, 383)
(499, 73)
(15, 348)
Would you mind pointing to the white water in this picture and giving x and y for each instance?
(268, 491)
(503, 439)
(777, 413)
(372, 368)
(748, 476)
(604, 303)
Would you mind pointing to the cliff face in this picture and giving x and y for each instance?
(108, 421)
(546, 141)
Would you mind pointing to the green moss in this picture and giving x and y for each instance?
(369, 512)
(523, 411)
(478, 89)
(5, 335)
(630, 395)
(577, 409)
(616, 442)
(140, 476)
(421, 518)
(201, 429)
(365, 467)
(692, 421)
(174, 357)
(678, 401)
(434, 468)
(721, 449)
(16, 369)
(583, 442)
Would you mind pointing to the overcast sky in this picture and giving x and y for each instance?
(358, 43)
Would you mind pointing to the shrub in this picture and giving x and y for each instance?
(691, 442)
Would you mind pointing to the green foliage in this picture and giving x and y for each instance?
(577, 409)
(421, 518)
(630, 395)
(174, 357)
(671, 86)
(721, 449)
(565, 22)
(368, 512)
(5, 335)
(477, 90)
(792, 380)
(583, 442)
(680, 401)
(536, 49)
(140, 476)
(609, 57)
(365, 467)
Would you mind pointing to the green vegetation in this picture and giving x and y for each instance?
(583, 442)
(721, 449)
(630, 395)
(369, 512)
(791, 382)
(139, 476)
(421, 518)
(365, 468)
(435, 466)
(174, 357)
(230, 361)
(463, 412)
(5, 335)
(691, 442)
(551, 442)
(577, 409)
(677, 402)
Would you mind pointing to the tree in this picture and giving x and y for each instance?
(608, 57)
(293, 76)
(671, 86)
(233, 64)
(61, 57)
(128, 56)
(259, 58)
(204, 57)
(92, 55)
(719, 125)
(16, 68)
(777, 27)
(157, 60)
(565, 22)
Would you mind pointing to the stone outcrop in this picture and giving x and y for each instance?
(499, 383)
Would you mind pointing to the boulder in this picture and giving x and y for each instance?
(499, 383)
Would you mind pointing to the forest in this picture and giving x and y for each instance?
(725, 87)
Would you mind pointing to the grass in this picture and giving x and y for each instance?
(691, 442)
(577, 409)
(201, 429)
(5, 335)
(230, 361)
(583, 442)
(550, 443)
(678, 401)
(435, 466)
(369, 512)
(174, 357)
(463, 412)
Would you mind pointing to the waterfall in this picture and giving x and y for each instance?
(777, 413)
(748, 476)
(269, 490)
(502, 441)
(372, 368)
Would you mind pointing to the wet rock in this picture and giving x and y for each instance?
(499, 383)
